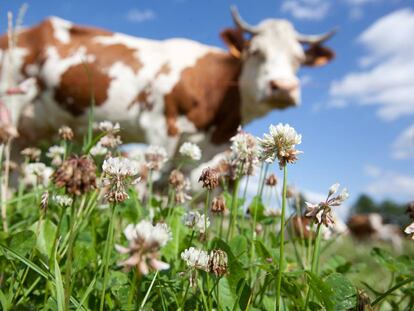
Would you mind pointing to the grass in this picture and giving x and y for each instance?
(64, 258)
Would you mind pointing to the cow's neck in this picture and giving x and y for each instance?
(208, 95)
(251, 110)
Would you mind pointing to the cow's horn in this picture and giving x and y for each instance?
(315, 39)
(241, 23)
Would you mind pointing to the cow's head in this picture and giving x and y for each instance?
(271, 58)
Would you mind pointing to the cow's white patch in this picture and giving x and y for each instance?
(61, 29)
(121, 92)
(32, 70)
(55, 66)
(126, 84)
(185, 126)
(51, 73)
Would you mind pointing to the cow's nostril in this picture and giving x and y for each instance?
(281, 85)
(274, 86)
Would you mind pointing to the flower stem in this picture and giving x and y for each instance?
(132, 290)
(282, 240)
(200, 285)
(315, 261)
(191, 238)
(149, 188)
(206, 213)
(68, 275)
(261, 181)
(4, 188)
(55, 239)
(233, 211)
(107, 253)
(261, 186)
(185, 296)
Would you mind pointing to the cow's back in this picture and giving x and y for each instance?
(127, 78)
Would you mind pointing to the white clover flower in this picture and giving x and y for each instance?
(36, 168)
(55, 153)
(244, 153)
(98, 150)
(118, 173)
(410, 230)
(119, 166)
(191, 151)
(244, 145)
(344, 195)
(32, 153)
(145, 240)
(322, 212)
(108, 126)
(196, 221)
(63, 200)
(152, 235)
(155, 157)
(110, 141)
(196, 258)
(280, 143)
(36, 173)
(202, 224)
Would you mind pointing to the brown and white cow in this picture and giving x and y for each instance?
(371, 227)
(161, 92)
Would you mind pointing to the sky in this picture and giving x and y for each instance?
(356, 116)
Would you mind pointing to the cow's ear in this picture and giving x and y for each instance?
(233, 38)
(318, 55)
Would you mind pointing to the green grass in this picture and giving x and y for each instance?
(63, 259)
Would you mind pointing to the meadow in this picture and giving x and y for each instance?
(89, 228)
(86, 226)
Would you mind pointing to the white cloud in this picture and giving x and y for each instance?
(390, 183)
(306, 9)
(139, 16)
(386, 78)
(403, 147)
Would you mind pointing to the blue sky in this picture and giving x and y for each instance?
(356, 115)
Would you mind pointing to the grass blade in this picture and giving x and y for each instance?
(46, 274)
(148, 292)
(4, 301)
(87, 292)
(60, 294)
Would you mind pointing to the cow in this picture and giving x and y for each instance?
(371, 227)
(301, 228)
(161, 92)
